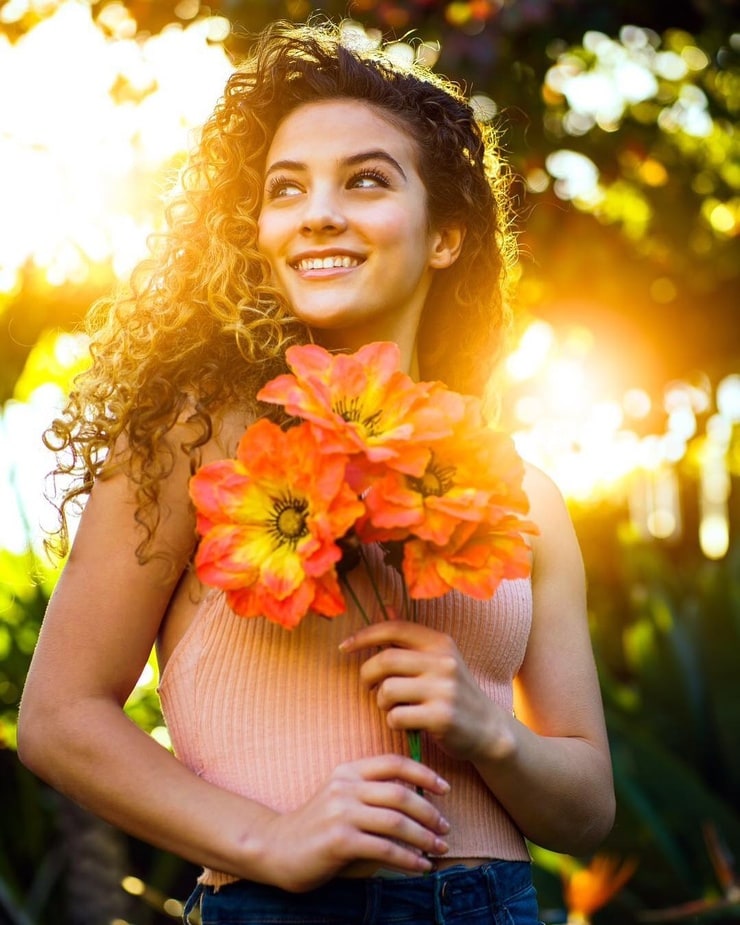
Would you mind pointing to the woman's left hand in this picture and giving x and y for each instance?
(422, 683)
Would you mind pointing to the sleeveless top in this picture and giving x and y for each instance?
(268, 713)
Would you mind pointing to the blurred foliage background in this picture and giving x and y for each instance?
(619, 122)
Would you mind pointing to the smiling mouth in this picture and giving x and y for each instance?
(326, 263)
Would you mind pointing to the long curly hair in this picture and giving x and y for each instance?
(200, 327)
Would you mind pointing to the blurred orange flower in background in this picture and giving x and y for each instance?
(589, 888)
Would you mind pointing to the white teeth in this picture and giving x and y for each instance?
(327, 263)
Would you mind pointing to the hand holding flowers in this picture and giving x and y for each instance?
(376, 457)
(421, 683)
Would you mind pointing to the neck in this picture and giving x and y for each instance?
(354, 338)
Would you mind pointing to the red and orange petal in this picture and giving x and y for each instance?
(474, 561)
(396, 509)
(242, 550)
(364, 403)
(392, 510)
(220, 560)
(321, 596)
(485, 459)
(484, 475)
(211, 489)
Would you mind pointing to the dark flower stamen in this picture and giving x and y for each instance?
(437, 480)
(289, 518)
(350, 410)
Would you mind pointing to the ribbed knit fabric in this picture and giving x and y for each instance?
(269, 713)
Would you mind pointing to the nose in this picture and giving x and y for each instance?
(323, 212)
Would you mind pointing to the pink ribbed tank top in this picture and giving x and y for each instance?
(268, 713)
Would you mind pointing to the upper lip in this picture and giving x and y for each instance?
(320, 254)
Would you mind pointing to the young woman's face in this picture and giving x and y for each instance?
(344, 224)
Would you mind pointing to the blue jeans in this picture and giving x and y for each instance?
(497, 893)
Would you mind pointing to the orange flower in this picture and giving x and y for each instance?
(590, 888)
(474, 474)
(475, 560)
(270, 520)
(363, 403)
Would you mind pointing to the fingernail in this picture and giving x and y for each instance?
(440, 846)
(444, 825)
(443, 785)
(345, 644)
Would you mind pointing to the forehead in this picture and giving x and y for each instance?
(339, 128)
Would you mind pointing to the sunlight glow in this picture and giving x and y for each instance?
(566, 420)
(86, 155)
(531, 352)
(728, 398)
(90, 142)
(577, 177)
(621, 73)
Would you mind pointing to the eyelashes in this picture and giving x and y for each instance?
(278, 186)
(283, 187)
(371, 173)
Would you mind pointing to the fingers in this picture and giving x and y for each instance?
(383, 852)
(402, 633)
(378, 812)
(407, 663)
(395, 768)
(398, 831)
(402, 827)
(369, 810)
(406, 803)
(383, 795)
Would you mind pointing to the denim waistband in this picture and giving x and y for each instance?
(456, 893)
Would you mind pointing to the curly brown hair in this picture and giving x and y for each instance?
(202, 306)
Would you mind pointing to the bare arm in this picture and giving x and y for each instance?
(556, 753)
(550, 766)
(101, 624)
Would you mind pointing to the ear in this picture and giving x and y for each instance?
(446, 246)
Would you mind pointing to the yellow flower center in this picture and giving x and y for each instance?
(288, 522)
(437, 480)
(351, 410)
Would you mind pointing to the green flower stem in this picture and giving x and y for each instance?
(374, 584)
(348, 585)
(406, 601)
(413, 736)
(414, 740)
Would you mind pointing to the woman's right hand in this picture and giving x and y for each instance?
(368, 811)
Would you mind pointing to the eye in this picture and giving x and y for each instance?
(279, 187)
(369, 178)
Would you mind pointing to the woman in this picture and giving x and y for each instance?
(337, 198)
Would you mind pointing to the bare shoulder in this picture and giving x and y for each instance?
(110, 603)
(556, 540)
(228, 426)
(544, 495)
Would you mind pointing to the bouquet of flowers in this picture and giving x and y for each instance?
(374, 457)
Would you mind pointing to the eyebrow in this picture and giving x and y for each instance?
(375, 154)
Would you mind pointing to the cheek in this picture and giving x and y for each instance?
(263, 234)
(394, 227)
(272, 229)
(266, 244)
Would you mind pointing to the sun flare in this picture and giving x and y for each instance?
(92, 134)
